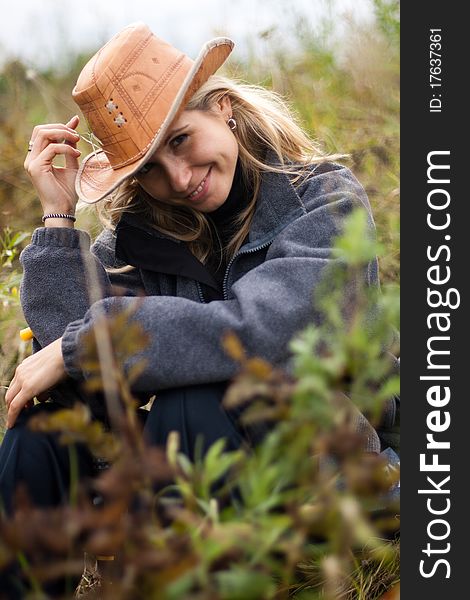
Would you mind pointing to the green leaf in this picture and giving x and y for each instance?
(243, 584)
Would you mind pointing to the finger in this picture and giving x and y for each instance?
(48, 136)
(39, 128)
(12, 390)
(44, 160)
(71, 160)
(12, 415)
(73, 123)
(15, 408)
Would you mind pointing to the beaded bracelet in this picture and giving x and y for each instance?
(58, 216)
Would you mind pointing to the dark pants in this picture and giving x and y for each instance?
(39, 462)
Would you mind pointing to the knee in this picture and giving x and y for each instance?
(21, 442)
(37, 461)
(24, 445)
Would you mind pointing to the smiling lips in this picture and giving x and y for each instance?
(201, 189)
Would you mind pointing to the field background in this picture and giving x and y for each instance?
(341, 76)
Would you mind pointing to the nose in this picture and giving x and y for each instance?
(179, 175)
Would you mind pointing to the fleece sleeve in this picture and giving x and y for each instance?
(266, 307)
(62, 278)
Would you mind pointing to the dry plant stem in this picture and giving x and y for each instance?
(123, 419)
(104, 347)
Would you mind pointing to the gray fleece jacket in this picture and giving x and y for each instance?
(267, 287)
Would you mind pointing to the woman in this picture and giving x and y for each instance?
(221, 214)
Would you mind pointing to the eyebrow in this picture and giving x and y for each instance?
(174, 132)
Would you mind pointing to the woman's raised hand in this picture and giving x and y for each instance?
(54, 185)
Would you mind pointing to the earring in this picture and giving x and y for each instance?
(232, 123)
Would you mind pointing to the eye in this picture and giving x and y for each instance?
(145, 169)
(178, 140)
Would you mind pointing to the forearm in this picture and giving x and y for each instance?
(185, 337)
(60, 278)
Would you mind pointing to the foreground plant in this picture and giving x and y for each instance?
(306, 513)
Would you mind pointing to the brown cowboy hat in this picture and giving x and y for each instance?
(130, 91)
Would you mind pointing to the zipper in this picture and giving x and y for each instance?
(274, 234)
(201, 295)
(239, 253)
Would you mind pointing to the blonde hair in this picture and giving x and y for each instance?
(264, 122)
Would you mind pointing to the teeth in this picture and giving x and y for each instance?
(198, 189)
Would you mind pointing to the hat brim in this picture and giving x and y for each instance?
(96, 178)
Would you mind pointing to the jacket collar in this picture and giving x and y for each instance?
(140, 245)
(278, 204)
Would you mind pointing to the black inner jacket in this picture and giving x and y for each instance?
(147, 249)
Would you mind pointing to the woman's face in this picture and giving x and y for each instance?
(196, 162)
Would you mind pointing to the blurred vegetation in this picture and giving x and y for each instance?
(297, 532)
(306, 514)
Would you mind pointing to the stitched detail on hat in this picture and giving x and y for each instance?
(157, 89)
(133, 55)
(122, 71)
(96, 117)
(88, 178)
(93, 74)
(153, 95)
(139, 112)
